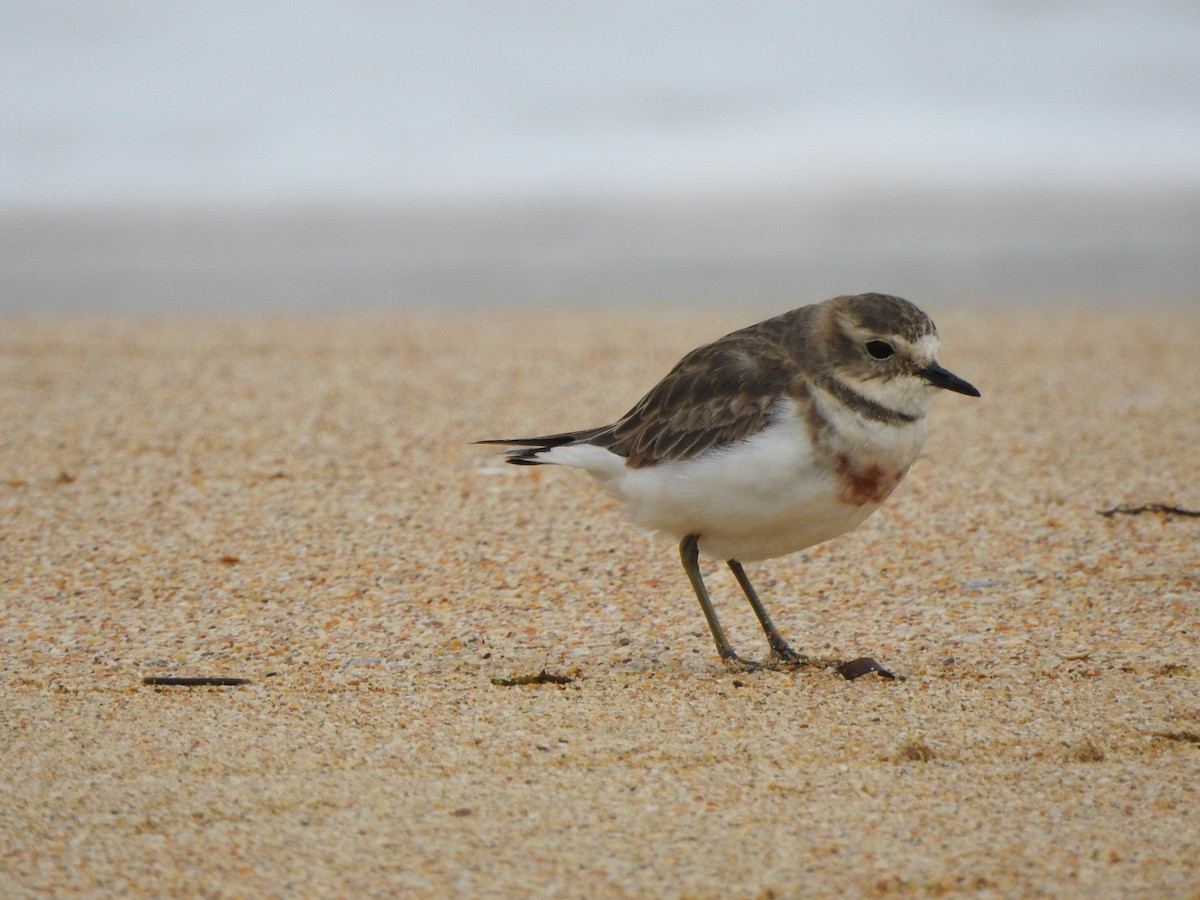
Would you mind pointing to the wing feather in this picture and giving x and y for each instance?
(717, 394)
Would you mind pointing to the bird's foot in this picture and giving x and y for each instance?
(784, 657)
(736, 663)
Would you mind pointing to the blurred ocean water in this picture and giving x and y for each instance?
(307, 156)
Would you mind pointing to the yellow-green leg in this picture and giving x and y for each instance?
(689, 553)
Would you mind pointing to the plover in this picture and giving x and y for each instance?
(769, 440)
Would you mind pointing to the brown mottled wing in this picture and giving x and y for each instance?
(719, 393)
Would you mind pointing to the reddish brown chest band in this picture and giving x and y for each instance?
(861, 485)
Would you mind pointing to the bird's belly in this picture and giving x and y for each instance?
(747, 522)
(787, 529)
(768, 496)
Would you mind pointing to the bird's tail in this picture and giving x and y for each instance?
(529, 449)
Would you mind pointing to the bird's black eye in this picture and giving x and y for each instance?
(879, 349)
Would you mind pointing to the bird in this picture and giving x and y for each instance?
(769, 440)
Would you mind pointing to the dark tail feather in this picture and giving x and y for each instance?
(529, 448)
(525, 457)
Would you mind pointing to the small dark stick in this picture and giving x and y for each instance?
(1148, 507)
(202, 681)
(542, 677)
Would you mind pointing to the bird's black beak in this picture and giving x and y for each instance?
(943, 378)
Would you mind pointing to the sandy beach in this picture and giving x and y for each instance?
(295, 502)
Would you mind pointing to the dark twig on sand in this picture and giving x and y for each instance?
(542, 677)
(1148, 507)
